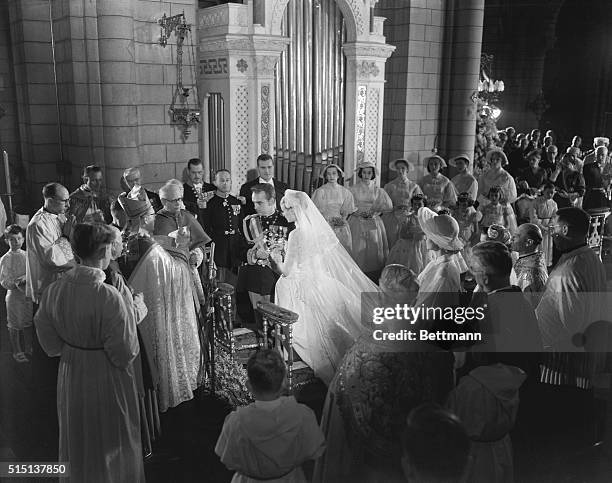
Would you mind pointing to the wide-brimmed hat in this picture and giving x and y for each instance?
(491, 152)
(435, 156)
(443, 230)
(331, 165)
(367, 164)
(453, 161)
(393, 164)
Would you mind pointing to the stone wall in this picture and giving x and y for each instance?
(9, 126)
(414, 79)
(114, 82)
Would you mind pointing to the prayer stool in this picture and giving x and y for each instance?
(282, 321)
(597, 228)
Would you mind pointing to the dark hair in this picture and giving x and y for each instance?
(577, 220)
(419, 197)
(263, 157)
(401, 161)
(13, 230)
(87, 238)
(494, 256)
(534, 152)
(465, 196)
(222, 170)
(266, 188)
(444, 211)
(547, 185)
(266, 371)
(496, 189)
(360, 170)
(193, 162)
(435, 443)
(434, 158)
(89, 170)
(50, 190)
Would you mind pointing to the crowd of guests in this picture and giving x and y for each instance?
(114, 287)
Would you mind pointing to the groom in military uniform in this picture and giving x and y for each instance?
(256, 280)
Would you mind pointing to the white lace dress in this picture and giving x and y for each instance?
(329, 309)
(335, 202)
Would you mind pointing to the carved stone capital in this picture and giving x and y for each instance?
(367, 50)
(265, 64)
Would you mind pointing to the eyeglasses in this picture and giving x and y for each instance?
(177, 200)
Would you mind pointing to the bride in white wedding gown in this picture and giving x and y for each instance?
(322, 284)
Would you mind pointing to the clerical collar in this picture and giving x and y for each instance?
(502, 289)
(50, 212)
(528, 254)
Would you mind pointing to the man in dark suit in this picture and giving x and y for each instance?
(197, 192)
(265, 167)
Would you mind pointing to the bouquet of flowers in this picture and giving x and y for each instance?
(366, 214)
(337, 221)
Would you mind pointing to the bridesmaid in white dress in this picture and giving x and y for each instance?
(336, 203)
(370, 247)
(439, 190)
(400, 190)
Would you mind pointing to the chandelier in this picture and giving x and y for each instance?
(489, 90)
(181, 112)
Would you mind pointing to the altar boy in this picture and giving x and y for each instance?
(271, 438)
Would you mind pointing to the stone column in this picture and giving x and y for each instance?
(238, 61)
(365, 87)
(462, 52)
(118, 95)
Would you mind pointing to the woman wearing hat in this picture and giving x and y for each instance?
(400, 190)
(370, 247)
(336, 203)
(440, 281)
(463, 181)
(496, 176)
(436, 187)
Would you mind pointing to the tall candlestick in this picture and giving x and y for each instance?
(7, 175)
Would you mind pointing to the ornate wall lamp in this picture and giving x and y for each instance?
(181, 111)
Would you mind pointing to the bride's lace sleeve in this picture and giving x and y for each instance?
(293, 250)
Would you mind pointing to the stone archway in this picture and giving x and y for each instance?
(355, 12)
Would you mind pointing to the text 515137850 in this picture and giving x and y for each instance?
(17, 469)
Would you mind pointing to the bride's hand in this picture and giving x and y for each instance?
(276, 262)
